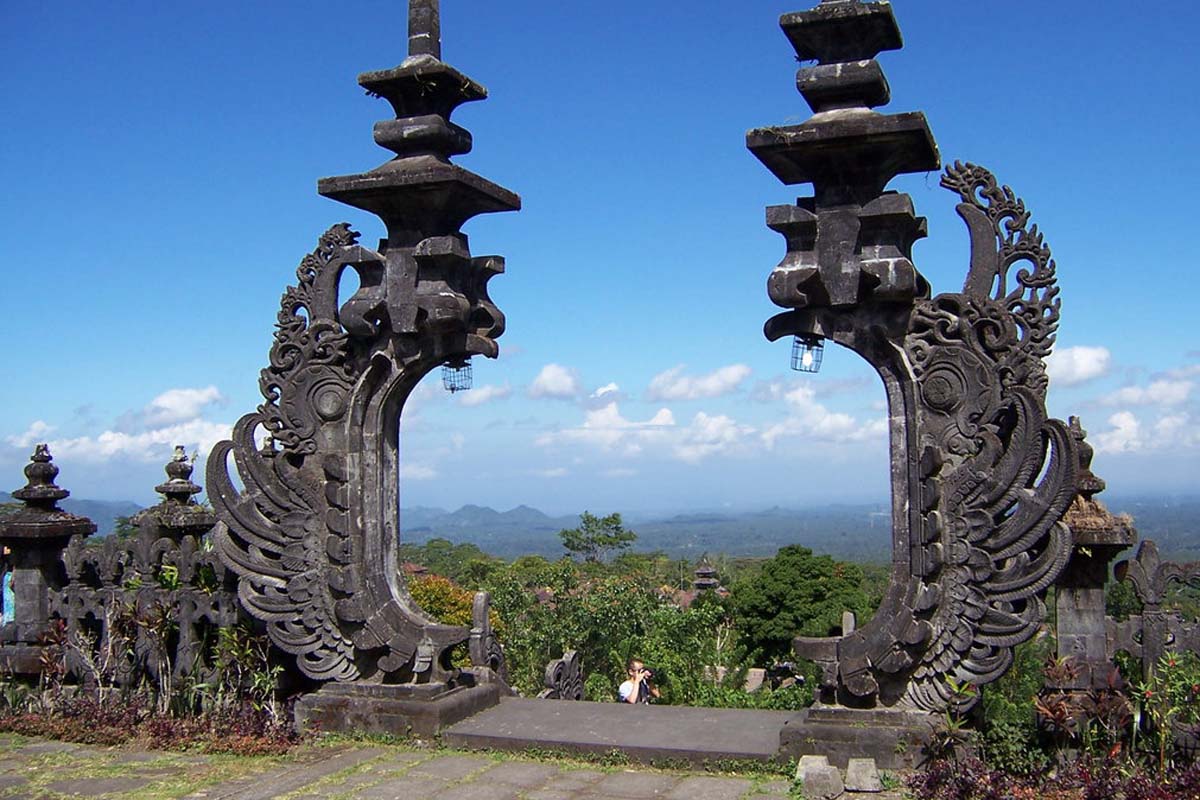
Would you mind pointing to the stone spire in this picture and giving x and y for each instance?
(425, 28)
(850, 242)
(423, 198)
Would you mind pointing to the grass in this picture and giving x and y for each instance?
(172, 775)
(168, 775)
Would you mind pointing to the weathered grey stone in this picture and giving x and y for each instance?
(524, 774)
(94, 787)
(476, 789)
(635, 784)
(963, 408)
(706, 788)
(821, 782)
(862, 776)
(575, 780)
(451, 768)
(807, 762)
(403, 788)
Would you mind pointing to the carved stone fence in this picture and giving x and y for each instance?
(115, 611)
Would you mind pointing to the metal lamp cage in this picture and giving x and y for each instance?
(456, 375)
(807, 353)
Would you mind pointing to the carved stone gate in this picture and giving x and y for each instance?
(981, 477)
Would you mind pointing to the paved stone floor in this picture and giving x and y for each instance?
(44, 770)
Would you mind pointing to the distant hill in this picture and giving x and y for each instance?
(861, 532)
(102, 512)
(858, 532)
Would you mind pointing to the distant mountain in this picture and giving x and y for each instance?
(858, 532)
(102, 512)
(861, 532)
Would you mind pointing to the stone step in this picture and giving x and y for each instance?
(644, 733)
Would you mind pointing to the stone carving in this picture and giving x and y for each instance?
(1080, 625)
(980, 475)
(35, 535)
(312, 537)
(564, 678)
(166, 572)
(484, 648)
(1156, 630)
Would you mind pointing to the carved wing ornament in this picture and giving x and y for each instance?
(996, 473)
(326, 584)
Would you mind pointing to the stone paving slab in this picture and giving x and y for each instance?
(349, 772)
(97, 787)
(641, 732)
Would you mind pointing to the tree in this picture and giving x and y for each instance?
(596, 536)
(796, 594)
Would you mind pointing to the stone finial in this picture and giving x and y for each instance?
(178, 514)
(1091, 523)
(425, 28)
(1088, 483)
(179, 488)
(41, 491)
(41, 518)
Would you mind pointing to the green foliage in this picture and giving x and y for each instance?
(1010, 736)
(124, 527)
(796, 594)
(1121, 601)
(596, 537)
(1170, 697)
(465, 564)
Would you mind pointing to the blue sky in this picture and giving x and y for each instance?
(160, 162)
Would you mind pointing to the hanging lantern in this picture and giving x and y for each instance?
(456, 375)
(807, 352)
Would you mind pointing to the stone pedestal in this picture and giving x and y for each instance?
(399, 710)
(35, 537)
(892, 738)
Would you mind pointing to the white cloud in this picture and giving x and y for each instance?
(1129, 434)
(149, 446)
(1123, 437)
(484, 394)
(556, 381)
(1071, 366)
(608, 393)
(606, 389)
(605, 428)
(674, 385)
(36, 433)
(710, 435)
(555, 472)
(178, 405)
(812, 420)
(1160, 393)
(417, 472)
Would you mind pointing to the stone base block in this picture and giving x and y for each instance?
(421, 710)
(893, 738)
(21, 659)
